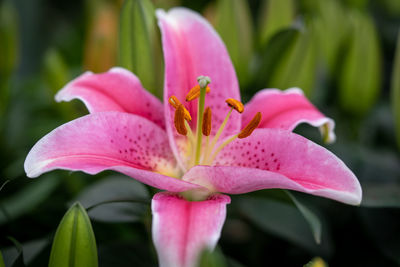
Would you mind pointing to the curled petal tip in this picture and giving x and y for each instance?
(296, 90)
(160, 13)
(327, 131)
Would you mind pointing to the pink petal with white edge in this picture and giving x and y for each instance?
(193, 48)
(109, 141)
(287, 109)
(115, 90)
(272, 158)
(183, 229)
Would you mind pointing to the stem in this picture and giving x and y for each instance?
(200, 112)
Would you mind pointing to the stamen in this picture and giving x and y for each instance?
(221, 128)
(236, 104)
(190, 133)
(207, 122)
(224, 144)
(214, 141)
(250, 127)
(174, 101)
(192, 144)
(195, 92)
(179, 120)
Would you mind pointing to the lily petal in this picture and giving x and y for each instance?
(287, 109)
(115, 90)
(112, 140)
(272, 158)
(193, 48)
(182, 229)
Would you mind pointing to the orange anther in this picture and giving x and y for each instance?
(251, 126)
(173, 100)
(236, 104)
(179, 120)
(206, 127)
(195, 92)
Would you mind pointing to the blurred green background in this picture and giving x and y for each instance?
(345, 55)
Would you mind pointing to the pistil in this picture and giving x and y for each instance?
(182, 119)
(203, 82)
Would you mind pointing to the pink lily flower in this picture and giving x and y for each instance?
(194, 160)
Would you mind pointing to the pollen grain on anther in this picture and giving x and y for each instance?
(250, 127)
(235, 104)
(206, 127)
(179, 120)
(195, 92)
(174, 101)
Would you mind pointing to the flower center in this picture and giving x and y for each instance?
(202, 151)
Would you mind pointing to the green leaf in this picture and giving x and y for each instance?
(119, 212)
(9, 51)
(127, 253)
(331, 26)
(139, 46)
(312, 219)
(289, 198)
(56, 75)
(274, 16)
(381, 195)
(116, 198)
(30, 250)
(360, 77)
(213, 258)
(379, 170)
(360, 4)
(382, 226)
(4, 184)
(1, 260)
(55, 70)
(284, 220)
(34, 193)
(392, 7)
(235, 27)
(74, 244)
(297, 68)
(395, 91)
(271, 54)
(14, 256)
(316, 262)
(9, 39)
